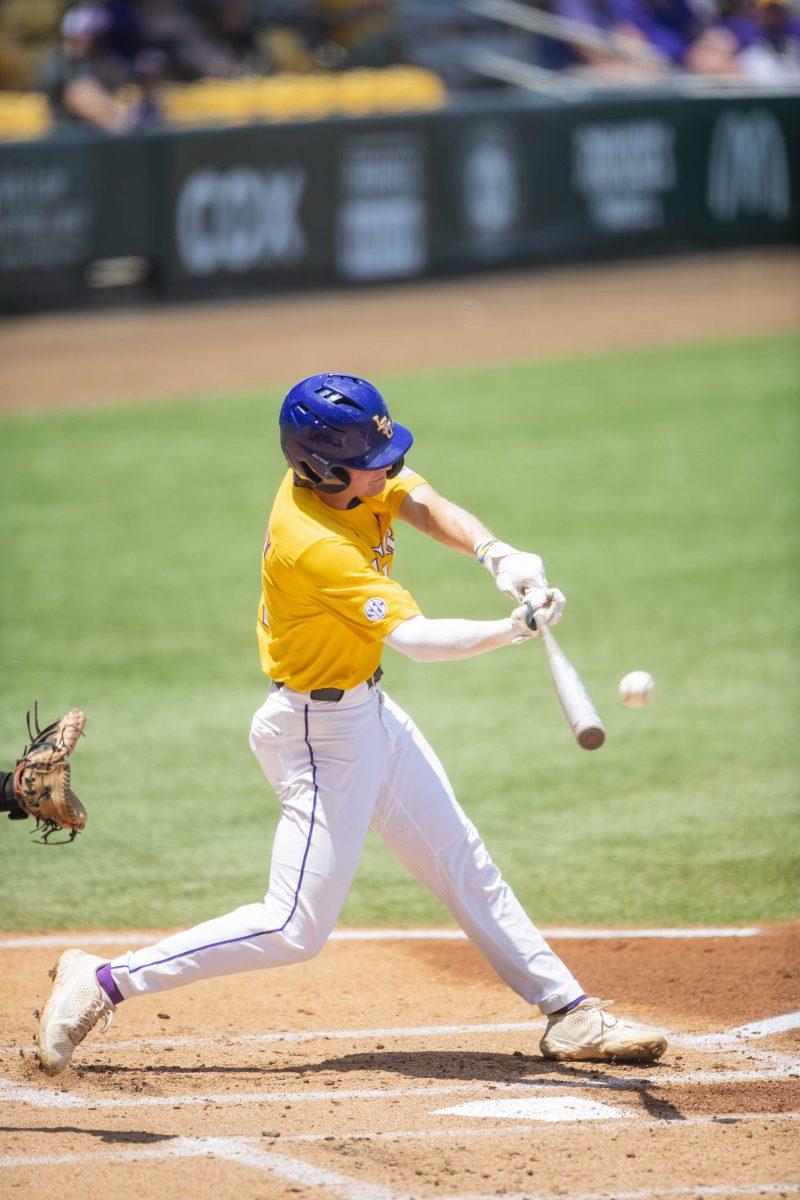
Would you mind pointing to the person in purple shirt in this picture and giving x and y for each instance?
(667, 27)
(754, 40)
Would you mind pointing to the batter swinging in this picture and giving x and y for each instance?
(341, 755)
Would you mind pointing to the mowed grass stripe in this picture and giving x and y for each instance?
(661, 490)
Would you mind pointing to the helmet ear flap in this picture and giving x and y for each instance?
(343, 476)
(330, 486)
(309, 475)
(396, 468)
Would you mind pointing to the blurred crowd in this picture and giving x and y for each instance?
(90, 53)
(752, 40)
(95, 50)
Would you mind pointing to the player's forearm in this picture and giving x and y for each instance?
(443, 520)
(425, 640)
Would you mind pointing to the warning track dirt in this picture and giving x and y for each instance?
(78, 359)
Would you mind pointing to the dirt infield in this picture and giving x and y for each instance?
(79, 358)
(390, 1068)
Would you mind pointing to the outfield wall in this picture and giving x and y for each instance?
(213, 212)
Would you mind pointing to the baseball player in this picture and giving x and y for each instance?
(342, 756)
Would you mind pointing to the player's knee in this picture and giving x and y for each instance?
(304, 943)
(302, 933)
(300, 937)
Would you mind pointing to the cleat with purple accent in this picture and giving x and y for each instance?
(589, 1033)
(76, 1004)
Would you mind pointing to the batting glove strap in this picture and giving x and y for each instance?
(490, 551)
(481, 549)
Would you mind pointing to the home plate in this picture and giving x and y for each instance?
(539, 1108)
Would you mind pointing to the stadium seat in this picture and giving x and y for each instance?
(23, 115)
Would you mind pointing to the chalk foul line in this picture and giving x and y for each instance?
(50, 1098)
(758, 1029)
(522, 1127)
(132, 939)
(730, 1040)
(250, 1152)
(696, 1193)
(314, 1035)
(247, 1152)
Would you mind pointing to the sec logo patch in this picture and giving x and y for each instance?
(375, 609)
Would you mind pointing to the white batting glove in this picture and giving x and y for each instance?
(514, 572)
(546, 605)
(553, 610)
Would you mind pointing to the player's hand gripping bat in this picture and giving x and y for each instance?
(576, 702)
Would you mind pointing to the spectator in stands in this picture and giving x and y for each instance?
(207, 39)
(664, 29)
(123, 37)
(352, 33)
(595, 16)
(668, 26)
(80, 78)
(13, 66)
(757, 41)
(230, 29)
(168, 26)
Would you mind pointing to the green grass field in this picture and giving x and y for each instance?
(661, 489)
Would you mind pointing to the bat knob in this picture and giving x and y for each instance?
(592, 738)
(530, 619)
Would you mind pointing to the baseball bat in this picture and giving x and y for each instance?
(582, 717)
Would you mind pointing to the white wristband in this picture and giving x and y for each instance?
(490, 553)
(481, 549)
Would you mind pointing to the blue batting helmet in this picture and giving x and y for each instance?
(330, 423)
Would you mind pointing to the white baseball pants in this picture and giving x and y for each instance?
(340, 769)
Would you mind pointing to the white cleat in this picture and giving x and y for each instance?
(589, 1033)
(76, 1004)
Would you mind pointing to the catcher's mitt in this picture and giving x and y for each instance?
(41, 777)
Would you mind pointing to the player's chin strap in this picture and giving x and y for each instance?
(341, 477)
(317, 484)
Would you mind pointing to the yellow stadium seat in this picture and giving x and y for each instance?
(23, 115)
(278, 98)
(309, 96)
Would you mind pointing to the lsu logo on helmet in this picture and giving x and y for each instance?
(384, 425)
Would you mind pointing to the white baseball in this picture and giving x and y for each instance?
(636, 689)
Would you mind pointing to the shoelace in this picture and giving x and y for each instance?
(89, 1019)
(608, 1017)
(604, 1006)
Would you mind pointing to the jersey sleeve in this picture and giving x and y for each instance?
(336, 575)
(397, 489)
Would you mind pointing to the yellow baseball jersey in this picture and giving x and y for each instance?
(328, 599)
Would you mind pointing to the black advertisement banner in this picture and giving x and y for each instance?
(502, 183)
(46, 212)
(246, 207)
